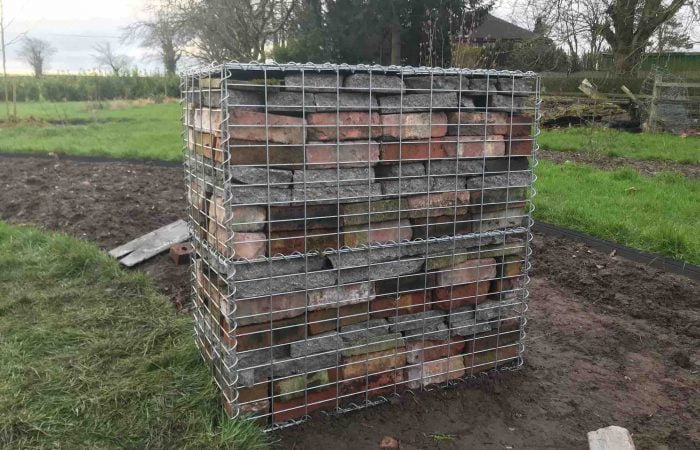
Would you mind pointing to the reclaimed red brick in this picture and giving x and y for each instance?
(483, 361)
(430, 350)
(437, 371)
(324, 320)
(259, 310)
(505, 338)
(468, 272)
(205, 144)
(448, 298)
(262, 335)
(477, 123)
(520, 147)
(320, 155)
(425, 228)
(522, 126)
(390, 306)
(288, 242)
(371, 363)
(443, 199)
(379, 232)
(414, 125)
(344, 126)
(472, 146)
(433, 149)
(181, 253)
(246, 153)
(258, 126)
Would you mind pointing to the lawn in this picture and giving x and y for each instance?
(657, 214)
(91, 356)
(609, 142)
(118, 128)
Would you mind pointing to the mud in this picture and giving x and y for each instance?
(609, 341)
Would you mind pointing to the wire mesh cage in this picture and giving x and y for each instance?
(359, 231)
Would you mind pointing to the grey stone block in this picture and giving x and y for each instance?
(276, 268)
(455, 167)
(259, 175)
(241, 99)
(285, 283)
(286, 367)
(351, 259)
(346, 101)
(447, 183)
(405, 186)
(462, 314)
(372, 344)
(446, 246)
(520, 85)
(503, 180)
(481, 85)
(437, 331)
(499, 220)
(330, 193)
(285, 101)
(507, 103)
(259, 357)
(364, 330)
(393, 104)
(312, 82)
(495, 309)
(380, 271)
(439, 82)
(376, 82)
(469, 328)
(356, 175)
(400, 170)
(514, 163)
(324, 342)
(256, 195)
(416, 320)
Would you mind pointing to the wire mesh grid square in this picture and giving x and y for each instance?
(359, 231)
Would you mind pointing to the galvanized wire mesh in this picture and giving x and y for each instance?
(359, 231)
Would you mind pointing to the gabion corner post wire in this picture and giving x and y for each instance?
(359, 231)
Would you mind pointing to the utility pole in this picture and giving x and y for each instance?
(4, 60)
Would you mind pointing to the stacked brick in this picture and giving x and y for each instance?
(358, 233)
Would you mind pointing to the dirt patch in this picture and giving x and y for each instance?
(614, 162)
(609, 341)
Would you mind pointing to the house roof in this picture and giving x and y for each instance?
(494, 28)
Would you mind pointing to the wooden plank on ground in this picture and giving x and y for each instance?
(610, 438)
(151, 244)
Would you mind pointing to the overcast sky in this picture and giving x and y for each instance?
(74, 27)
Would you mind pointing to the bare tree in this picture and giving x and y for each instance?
(36, 53)
(233, 29)
(105, 56)
(164, 32)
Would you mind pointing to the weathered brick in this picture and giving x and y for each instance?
(437, 371)
(496, 309)
(208, 120)
(416, 150)
(394, 104)
(244, 245)
(290, 241)
(408, 303)
(499, 219)
(477, 123)
(286, 389)
(470, 327)
(414, 125)
(483, 361)
(495, 197)
(329, 319)
(248, 245)
(404, 284)
(276, 307)
(520, 147)
(280, 332)
(475, 146)
(468, 272)
(438, 204)
(344, 126)
(261, 127)
(430, 349)
(379, 232)
(246, 218)
(458, 296)
(329, 155)
(371, 363)
(309, 217)
(372, 344)
(434, 331)
(205, 144)
(455, 167)
(341, 295)
(440, 226)
(378, 83)
(262, 154)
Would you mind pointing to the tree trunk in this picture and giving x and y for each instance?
(396, 44)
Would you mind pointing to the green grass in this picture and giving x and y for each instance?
(657, 214)
(121, 129)
(91, 356)
(609, 142)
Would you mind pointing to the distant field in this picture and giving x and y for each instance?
(657, 214)
(609, 142)
(117, 128)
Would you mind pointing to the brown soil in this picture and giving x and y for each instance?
(609, 341)
(615, 162)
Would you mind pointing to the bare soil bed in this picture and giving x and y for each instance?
(609, 341)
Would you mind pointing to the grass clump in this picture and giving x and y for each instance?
(610, 142)
(92, 356)
(657, 214)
